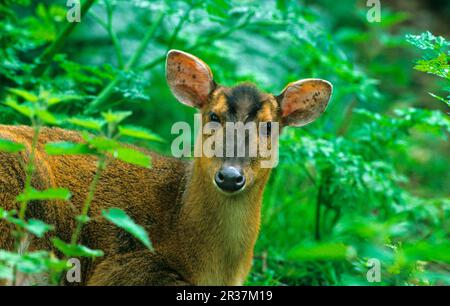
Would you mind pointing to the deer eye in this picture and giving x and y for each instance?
(213, 117)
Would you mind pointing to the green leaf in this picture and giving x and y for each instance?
(10, 146)
(77, 250)
(88, 123)
(446, 101)
(21, 108)
(37, 227)
(132, 156)
(428, 252)
(48, 194)
(138, 132)
(116, 117)
(438, 66)
(24, 94)
(122, 220)
(426, 41)
(47, 117)
(67, 148)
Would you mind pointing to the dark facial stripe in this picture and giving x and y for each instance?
(244, 99)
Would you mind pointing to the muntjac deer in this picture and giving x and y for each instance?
(202, 215)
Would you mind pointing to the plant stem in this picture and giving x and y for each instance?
(108, 90)
(206, 41)
(45, 59)
(101, 165)
(317, 233)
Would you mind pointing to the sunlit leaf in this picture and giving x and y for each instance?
(38, 227)
(138, 132)
(67, 148)
(10, 146)
(28, 96)
(122, 220)
(116, 117)
(75, 250)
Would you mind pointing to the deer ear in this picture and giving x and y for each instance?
(304, 101)
(189, 78)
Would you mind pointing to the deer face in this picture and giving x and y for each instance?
(243, 122)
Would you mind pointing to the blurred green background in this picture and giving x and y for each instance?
(369, 179)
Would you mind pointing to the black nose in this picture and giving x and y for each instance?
(229, 179)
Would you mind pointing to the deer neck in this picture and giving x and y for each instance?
(218, 232)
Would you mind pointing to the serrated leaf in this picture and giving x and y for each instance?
(122, 220)
(132, 156)
(10, 146)
(77, 250)
(48, 194)
(67, 148)
(138, 132)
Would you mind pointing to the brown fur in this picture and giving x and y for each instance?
(198, 239)
(201, 235)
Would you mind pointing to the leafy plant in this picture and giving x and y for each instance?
(436, 59)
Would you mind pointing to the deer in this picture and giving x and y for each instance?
(202, 214)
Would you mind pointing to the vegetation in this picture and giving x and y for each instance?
(369, 180)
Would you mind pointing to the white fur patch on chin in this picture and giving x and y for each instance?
(228, 193)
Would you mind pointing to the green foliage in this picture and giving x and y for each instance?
(367, 180)
(75, 250)
(122, 220)
(48, 194)
(436, 59)
(10, 146)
